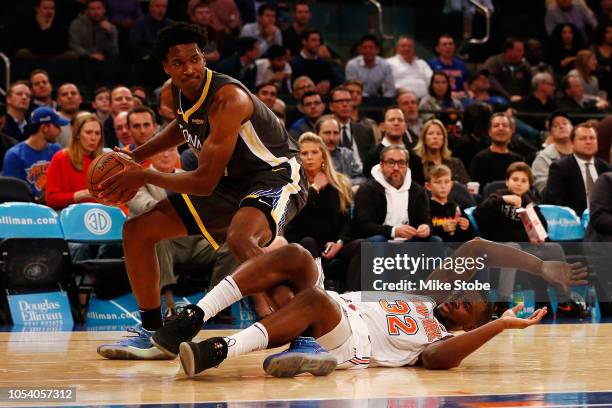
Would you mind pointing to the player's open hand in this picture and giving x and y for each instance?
(120, 187)
(563, 275)
(513, 322)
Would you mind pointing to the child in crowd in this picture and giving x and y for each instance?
(497, 215)
(447, 219)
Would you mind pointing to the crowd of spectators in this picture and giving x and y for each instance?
(525, 121)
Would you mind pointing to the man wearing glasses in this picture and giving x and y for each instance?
(355, 136)
(391, 207)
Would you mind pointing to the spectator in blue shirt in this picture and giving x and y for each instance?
(454, 67)
(29, 160)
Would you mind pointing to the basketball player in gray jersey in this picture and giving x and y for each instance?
(247, 187)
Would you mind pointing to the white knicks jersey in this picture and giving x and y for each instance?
(400, 327)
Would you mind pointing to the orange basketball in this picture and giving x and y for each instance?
(101, 168)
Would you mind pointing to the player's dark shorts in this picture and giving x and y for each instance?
(280, 193)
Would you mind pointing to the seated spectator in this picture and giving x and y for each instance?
(123, 13)
(301, 85)
(497, 215)
(29, 160)
(92, 35)
(478, 91)
(371, 70)
(447, 62)
(534, 57)
(491, 164)
(101, 103)
(575, 99)
(440, 99)
(565, 43)
(142, 126)
(140, 96)
(559, 127)
(242, 65)
(266, 93)
(66, 176)
(475, 137)
(604, 138)
(448, 221)
(225, 15)
(144, 33)
(566, 11)
(357, 137)
(603, 53)
(202, 16)
(541, 100)
(571, 179)
(510, 75)
(323, 226)
(409, 71)
(189, 249)
(409, 104)
(280, 110)
(394, 134)
(122, 130)
(42, 35)
(6, 141)
(121, 101)
(68, 101)
(292, 35)
(312, 105)
(18, 103)
(600, 213)
(391, 206)
(328, 129)
(264, 30)
(275, 69)
(42, 90)
(585, 68)
(432, 149)
(309, 63)
(355, 87)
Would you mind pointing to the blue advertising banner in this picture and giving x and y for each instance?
(41, 309)
(28, 220)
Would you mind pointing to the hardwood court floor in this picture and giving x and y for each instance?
(541, 359)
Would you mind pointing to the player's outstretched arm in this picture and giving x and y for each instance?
(497, 255)
(231, 107)
(448, 353)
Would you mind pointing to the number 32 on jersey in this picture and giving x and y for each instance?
(398, 318)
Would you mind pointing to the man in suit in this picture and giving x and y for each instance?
(242, 65)
(600, 222)
(357, 137)
(571, 179)
(192, 249)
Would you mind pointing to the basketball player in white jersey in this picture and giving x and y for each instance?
(397, 330)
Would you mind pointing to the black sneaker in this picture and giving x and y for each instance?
(182, 327)
(197, 357)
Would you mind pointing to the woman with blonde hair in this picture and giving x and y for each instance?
(323, 225)
(66, 174)
(433, 150)
(585, 67)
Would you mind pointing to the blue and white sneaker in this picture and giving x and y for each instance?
(304, 355)
(137, 347)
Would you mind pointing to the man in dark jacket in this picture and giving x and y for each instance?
(392, 206)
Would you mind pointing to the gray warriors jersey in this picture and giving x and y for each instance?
(263, 142)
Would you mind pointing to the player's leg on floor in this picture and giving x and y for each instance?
(311, 312)
(140, 235)
(290, 265)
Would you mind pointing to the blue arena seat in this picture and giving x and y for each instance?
(92, 223)
(563, 223)
(584, 219)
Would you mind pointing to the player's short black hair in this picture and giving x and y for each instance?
(179, 33)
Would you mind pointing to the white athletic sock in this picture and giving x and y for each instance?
(221, 296)
(253, 338)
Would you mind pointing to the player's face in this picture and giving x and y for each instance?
(434, 137)
(90, 136)
(313, 107)
(312, 157)
(395, 124)
(185, 65)
(330, 133)
(41, 87)
(441, 186)
(141, 127)
(461, 312)
(518, 183)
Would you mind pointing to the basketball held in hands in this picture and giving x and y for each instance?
(103, 167)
